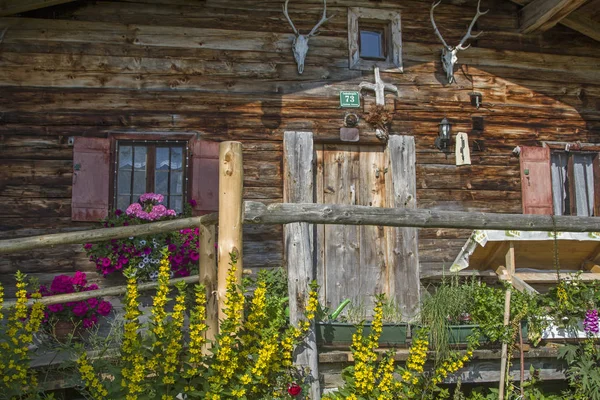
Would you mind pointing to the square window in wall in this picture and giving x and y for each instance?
(374, 39)
(158, 167)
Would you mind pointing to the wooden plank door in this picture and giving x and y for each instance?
(351, 260)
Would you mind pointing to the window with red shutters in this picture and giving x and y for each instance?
(181, 170)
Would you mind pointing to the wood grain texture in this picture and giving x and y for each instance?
(541, 15)
(403, 251)
(299, 179)
(224, 70)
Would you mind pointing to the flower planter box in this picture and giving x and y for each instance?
(555, 332)
(459, 334)
(340, 334)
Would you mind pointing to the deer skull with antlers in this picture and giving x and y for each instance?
(449, 53)
(300, 44)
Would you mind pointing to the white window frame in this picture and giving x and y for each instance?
(393, 61)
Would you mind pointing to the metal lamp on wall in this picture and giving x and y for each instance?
(444, 138)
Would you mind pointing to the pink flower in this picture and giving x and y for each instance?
(93, 286)
(87, 246)
(194, 256)
(80, 309)
(56, 308)
(104, 308)
(590, 323)
(118, 212)
(171, 213)
(93, 302)
(133, 209)
(193, 203)
(79, 278)
(172, 248)
(90, 322)
(153, 197)
(62, 284)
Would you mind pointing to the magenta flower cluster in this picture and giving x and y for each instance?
(85, 311)
(143, 253)
(590, 323)
(149, 208)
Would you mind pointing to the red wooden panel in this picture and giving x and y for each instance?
(205, 176)
(91, 179)
(536, 180)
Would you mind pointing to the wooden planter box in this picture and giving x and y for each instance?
(339, 334)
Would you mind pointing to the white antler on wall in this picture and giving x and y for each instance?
(300, 45)
(449, 56)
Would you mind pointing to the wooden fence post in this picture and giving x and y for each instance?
(403, 249)
(231, 178)
(298, 180)
(208, 277)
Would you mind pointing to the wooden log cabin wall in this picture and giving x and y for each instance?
(225, 69)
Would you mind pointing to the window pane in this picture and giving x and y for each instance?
(176, 159)
(161, 182)
(371, 44)
(139, 182)
(124, 182)
(123, 202)
(162, 158)
(176, 183)
(125, 157)
(176, 203)
(560, 190)
(140, 158)
(584, 184)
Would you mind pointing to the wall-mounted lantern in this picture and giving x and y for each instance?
(476, 99)
(444, 138)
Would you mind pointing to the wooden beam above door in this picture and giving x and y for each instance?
(541, 15)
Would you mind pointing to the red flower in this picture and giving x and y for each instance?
(294, 389)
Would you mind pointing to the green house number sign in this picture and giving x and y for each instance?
(350, 99)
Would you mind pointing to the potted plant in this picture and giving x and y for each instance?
(336, 330)
(72, 317)
(143, 252)
(567, 305)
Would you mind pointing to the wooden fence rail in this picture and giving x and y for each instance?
(286, 213)
(112, 291)
(98, 235)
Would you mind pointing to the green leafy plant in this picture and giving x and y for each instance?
(251, 358)
(449, 304)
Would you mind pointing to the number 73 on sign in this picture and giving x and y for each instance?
(350, 99)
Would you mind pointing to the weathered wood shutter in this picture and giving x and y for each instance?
(91, 179)
(205, 176)
(536, 180)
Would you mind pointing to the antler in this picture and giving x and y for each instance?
(437, 32)
(323, 19)
(285, 12)
(468, 35)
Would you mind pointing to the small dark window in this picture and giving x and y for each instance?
(143, 167)
(371, 44)
(372, 41)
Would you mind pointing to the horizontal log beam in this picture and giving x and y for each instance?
(112, 291)
(98, 235)
(541, 15)
(550, 277)
(10, 7)
(285, 213)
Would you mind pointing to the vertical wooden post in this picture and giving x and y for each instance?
(298, 172)
(208, 277)
(231, 182)
(504, 359)
(403, 252)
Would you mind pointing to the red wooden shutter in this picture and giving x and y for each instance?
(205, 176)
(91, 179)
(536, 180)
